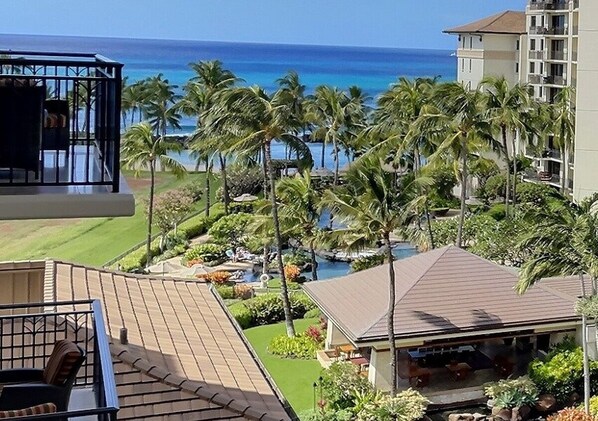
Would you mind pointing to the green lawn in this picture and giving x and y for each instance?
(91, 241)
(294, 377)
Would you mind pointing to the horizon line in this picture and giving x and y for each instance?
(225, 42)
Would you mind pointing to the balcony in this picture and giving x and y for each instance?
(555, 80)
(60, 136)
(535, 79)
(554, 30)
(27, 336)
(557, 55)
(542, 177)
(551, 154)
(549, 5)
(536, 55)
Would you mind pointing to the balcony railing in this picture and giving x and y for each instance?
(27, 336)
(554, 30)
(549, 5)
(555, 80)
(551, 153)
(536, 79)
(542, 176)
(536, 55)
(557, 55)
(59, 120)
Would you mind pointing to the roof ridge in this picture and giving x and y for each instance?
(197, 388)
(496, 17)
(446, 248)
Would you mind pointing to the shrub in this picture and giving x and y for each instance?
(512, 393)
(219, 277)
(315, 334)
(199, 224)
(242, 291)
(225, 292)
(206, 252)
(497, 212)
(444, 183)
(292, 273)
(242, 315)
(194, 190)
(593, 406)
(296, 258)
(570, 414)
(313, 313)
(408, 405)
(496, 186)
(535, 193)
(300, 346)
(367, 262)
(243, 179)
(231, 229)
(300, 304)
(267, 308)
(340, 384)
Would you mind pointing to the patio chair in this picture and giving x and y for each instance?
(25, 387)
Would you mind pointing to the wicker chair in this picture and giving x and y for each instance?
(25, 387)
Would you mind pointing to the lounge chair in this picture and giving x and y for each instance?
(25, 387)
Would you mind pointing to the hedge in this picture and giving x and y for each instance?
(267, 309)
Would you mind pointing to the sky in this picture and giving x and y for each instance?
(372, 23)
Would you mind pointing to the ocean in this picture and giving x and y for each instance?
(373, 69)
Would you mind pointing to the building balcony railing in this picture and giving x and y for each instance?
(557, 55)
(552, 153)
(536, 55)
(549, 5)
(541, 30)
(59, 120)
(542, 176)
(555, 80)
(535, 79)
(28, 333)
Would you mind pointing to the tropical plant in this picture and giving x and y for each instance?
(508, 107)
(570, 414)
(512, 393)
(141, 149)
(561, 123)
(206, 252)
(231, 230)
(169, 209)
(301, 346)
(366, 262)
(373, 204)
(340, 384)
(258, 118)
(459, 124)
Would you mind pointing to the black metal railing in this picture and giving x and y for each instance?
(28, 333)
(59, 119)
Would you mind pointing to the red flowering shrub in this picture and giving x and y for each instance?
(315, 334)
(242, 291)
(220, 277)
(194, 262)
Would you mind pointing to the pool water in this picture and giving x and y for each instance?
(329, 270)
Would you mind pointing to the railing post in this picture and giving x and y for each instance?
(116, 127)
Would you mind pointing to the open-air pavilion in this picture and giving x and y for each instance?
(458, 322)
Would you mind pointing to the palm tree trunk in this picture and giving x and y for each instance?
(226, 197)
(391, 315)
(463, 193)
(565, 177)
(335, 152)
(514, 175)
(207, 187)
(314, 262)
(150, 214)
(323, 153)
(429, 223)
(132, 116)
(505, 146)
(265, 172)
(265, 259)
(584, 345)
(288, 316)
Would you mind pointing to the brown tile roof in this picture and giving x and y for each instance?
(507, 22)
(447, 290)
(185, 359)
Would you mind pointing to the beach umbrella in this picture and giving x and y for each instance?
(322, 172)
(165, 267)
(245, 197)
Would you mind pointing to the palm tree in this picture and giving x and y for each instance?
(562, 119)
(142, 149)
(201, 93)
(256, 118)
(461, 128)
(374, 204)
(508, 107)
(299, 211)
(564, 242)
(161, 110)
(133, 99)
(291, 83)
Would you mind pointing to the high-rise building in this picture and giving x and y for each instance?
(547, 47)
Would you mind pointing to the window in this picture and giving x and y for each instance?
(532, 44)
(541, 92)
(470, 43)
(463, 42)
(517, 45)
(532, 67)
(462, 64)
(516, 67)
(469, 65)
(533, 22)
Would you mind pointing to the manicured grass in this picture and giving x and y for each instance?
(294, 377)
(91, 241)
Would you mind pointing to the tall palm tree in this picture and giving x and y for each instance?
(201, 92)
(562, 117)
(508, 108)
(256, 119)
(133, 98)
(564, 242)
(161, 110)
(299, 211)
(142, 149)
(461, 128)
(374, 204)
(291, 83)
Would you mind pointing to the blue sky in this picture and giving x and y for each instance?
(380, 23)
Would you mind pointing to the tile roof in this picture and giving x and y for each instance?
(447, 290)
(185, 358)
(507, 22)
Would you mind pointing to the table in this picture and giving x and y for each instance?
(459, 371)
(362, 362)
(348, 349)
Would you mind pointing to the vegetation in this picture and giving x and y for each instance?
(366, 262)
(268, 308)
(512, 393)
(205, 253)
(571, 414)
(304, 346)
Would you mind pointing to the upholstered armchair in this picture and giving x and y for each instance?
(25, 387)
